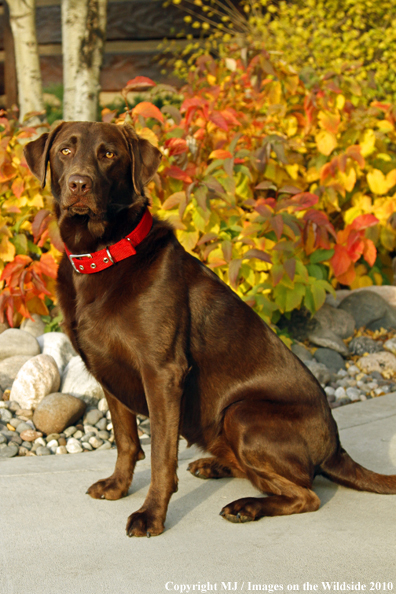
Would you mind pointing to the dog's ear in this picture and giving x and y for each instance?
(145, 158)
(37, 153)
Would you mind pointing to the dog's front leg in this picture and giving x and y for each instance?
(164, 388)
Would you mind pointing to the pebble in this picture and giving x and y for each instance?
(30, 435)
(102, 424)
(61, 450)
(95, 442)
(103, 435)
(9, 451)
(93, 416)
(43, 451)
(340, 393)
(21, 427)
(86, 446)
(22, 451)
(353, 370)
(40, 441)
(16, 438)
(103, 406)
(52, 444)
(353, 394)
(105, 446)
(3, 438)
(69, 431)
(73, 446)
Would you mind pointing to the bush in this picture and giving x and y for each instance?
(356, 38)
(284, 191)
(29, 241)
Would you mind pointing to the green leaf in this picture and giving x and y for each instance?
(320, 256)
(316, 271)
(294, 297)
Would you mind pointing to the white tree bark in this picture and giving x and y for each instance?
(23, 25)
(83, 39)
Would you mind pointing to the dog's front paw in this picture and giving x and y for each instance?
(111, 488)
(243, 510)
(142, 523)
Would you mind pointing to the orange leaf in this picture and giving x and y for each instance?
(220, 154)
(17, 187)
(369, 252)
(176, 146)
(363, 221)
(348, 277)
(340, 260)
(177, 173)
(148, 110)
(139, 84)
(216, 118)
(40, 223)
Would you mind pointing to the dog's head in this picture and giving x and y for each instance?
(97, 169)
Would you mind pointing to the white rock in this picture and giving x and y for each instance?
(52, 444)
(61, 450)
(40, 441)
(105, 446)
(35, 327)
(384, 362)
(340, 393)
(17, 342)
(103, 406)
(353, 370)
(390, 345)
(37, 378)
(73, 446)
(58, 346)
(77, 381)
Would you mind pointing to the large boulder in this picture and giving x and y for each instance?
(35, 380)
(383, 362)
(58, 346)
(17, 342)
(369, 310)
(9, 369)
(58, 411)
(78, 382)
(35, 327)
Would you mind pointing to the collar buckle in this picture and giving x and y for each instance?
(71, 256)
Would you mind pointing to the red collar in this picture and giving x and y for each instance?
(97, 261)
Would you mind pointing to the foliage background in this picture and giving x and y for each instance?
(280, 180)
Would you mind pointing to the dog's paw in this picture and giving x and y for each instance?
(111, 488)
(242, 510)
(208, 468)
(141, 523)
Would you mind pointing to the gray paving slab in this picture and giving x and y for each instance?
(55, 539)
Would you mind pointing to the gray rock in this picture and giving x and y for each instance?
(340, 393)
(5, 415)
(340, 322)
(27, 445)
(369, 310)
(301, 352)
(57, 411)
(353, 393)
(330, 393)
(3, 438)
(330, 358)
(16, 438)
(17, 342)
(59, 347)
(92, 417)
(326, 338)
(364, 344)
(103, 435)
(9, 369)
(35, 327)
(353, 370)
(87, 446)
(101, 424)
(319, 370)
(78, 382)
(106, 445)
(43, 451)
(35, 380)
(23, 427)
(9, 451)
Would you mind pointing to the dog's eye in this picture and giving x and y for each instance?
(65, 151)
(110, 155)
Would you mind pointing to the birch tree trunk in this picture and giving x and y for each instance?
(83, 39)
(23, 25)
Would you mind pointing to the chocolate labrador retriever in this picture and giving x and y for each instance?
(166, 338)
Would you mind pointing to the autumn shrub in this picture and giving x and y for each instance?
(356, 38)
(29, 237)
(286, 192)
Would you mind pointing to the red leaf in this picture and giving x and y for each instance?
(176, 146)
(277, 225)
(148, 110)
(364, 221)
(40, 223)
(216, 118)
(259, 254)
(304, 200)
(177, 173)
(355, 245)
(220, 154)
(355, 152)
(340, 260)
(233, 271)
(139, 84)
(15, 267)
(290, 267)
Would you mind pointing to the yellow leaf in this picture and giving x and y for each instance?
(340, 101)
(377, 182)
(291, 125)
(211, 79)
(385, 126)
(188, 239)
(387, 238)
(149, 135)
(348, 180)
(391, 179)
(292, 170)
(368, 143)
(326, 142)
(7, 250)
(275, 93)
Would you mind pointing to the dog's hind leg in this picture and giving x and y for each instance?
(129, 452)
(275, 459)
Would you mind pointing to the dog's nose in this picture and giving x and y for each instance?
(80, 184)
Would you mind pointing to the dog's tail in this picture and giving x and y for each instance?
(341, 469)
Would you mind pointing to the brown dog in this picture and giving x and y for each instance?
(167, 339)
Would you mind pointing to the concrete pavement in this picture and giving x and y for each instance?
(54, 539)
